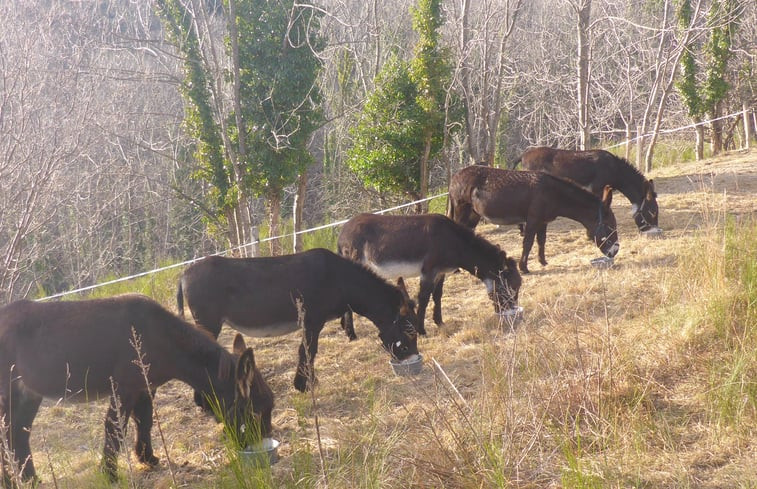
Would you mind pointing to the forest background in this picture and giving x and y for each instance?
(135, 133)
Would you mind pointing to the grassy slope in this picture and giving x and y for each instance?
(640, 376)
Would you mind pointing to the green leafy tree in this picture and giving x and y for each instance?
(388, 140)
(705, 97)
(253, 142)
(723, 21)
(431, 70)
(200, 117)
(402, 124)
(687, 85)
(281, 101)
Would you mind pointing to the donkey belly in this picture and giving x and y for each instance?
(392, 270)
(504, 220)
(265, 330)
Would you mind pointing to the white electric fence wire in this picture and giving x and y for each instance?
(325, 226)
(225, 252)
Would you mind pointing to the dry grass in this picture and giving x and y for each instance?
(617, 378)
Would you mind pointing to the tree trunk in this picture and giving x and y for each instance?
(243, 207)
(299, 205)
(640, 146)
(699, 128)
(423, 206)
(274, 222)
(233, 236)
(584, 19)
(716, 130)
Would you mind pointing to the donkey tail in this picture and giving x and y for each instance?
(180, 300)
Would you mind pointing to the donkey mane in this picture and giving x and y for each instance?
(627, 168)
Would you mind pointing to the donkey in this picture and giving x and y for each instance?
(534, 198)
(258, 296)
(594, 170)
(429, 246)
(85, 350)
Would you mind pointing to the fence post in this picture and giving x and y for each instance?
(747, 126)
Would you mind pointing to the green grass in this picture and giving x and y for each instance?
(161, 286)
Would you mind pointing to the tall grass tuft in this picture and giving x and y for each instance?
(733, 316)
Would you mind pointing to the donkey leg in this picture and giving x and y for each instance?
(142, 416)
(437, 296)
(424, 295)
(348, 326)
(541, 239)
(24, 407)
(305, 375)
(115, 431)
(528, 243)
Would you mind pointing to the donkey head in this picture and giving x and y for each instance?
(606, 232)
(503, 287)
(646, 213)
(400, 338)
(248, 414)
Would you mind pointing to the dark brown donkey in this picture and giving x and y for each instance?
(428, 246)
(258, 296)
(85, 350)
(595, 169)
(533, 198)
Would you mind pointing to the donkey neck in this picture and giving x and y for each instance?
(628, 181)
(478, 256)
(369, 295)
(575, 203)
(195, 359)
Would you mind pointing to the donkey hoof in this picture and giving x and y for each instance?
(543, 262)
(31, 479)
(301, 384)
(304, 384)
(110, 472)
(150, 460)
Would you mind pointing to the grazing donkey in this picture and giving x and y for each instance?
(429, 246)
(259, 296)
(595, 169)
(534, 198)
(86, 350)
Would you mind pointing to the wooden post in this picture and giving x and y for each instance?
(747, 126)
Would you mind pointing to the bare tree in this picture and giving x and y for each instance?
(582, 9)
(483, 30)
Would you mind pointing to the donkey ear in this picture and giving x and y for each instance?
(239, 344)
(403, 289)
(650, 190)
(607, 196)
(245, 372)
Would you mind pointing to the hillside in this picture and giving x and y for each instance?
(643, 375)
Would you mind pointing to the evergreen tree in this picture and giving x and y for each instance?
(401, 128)
(255, 144)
